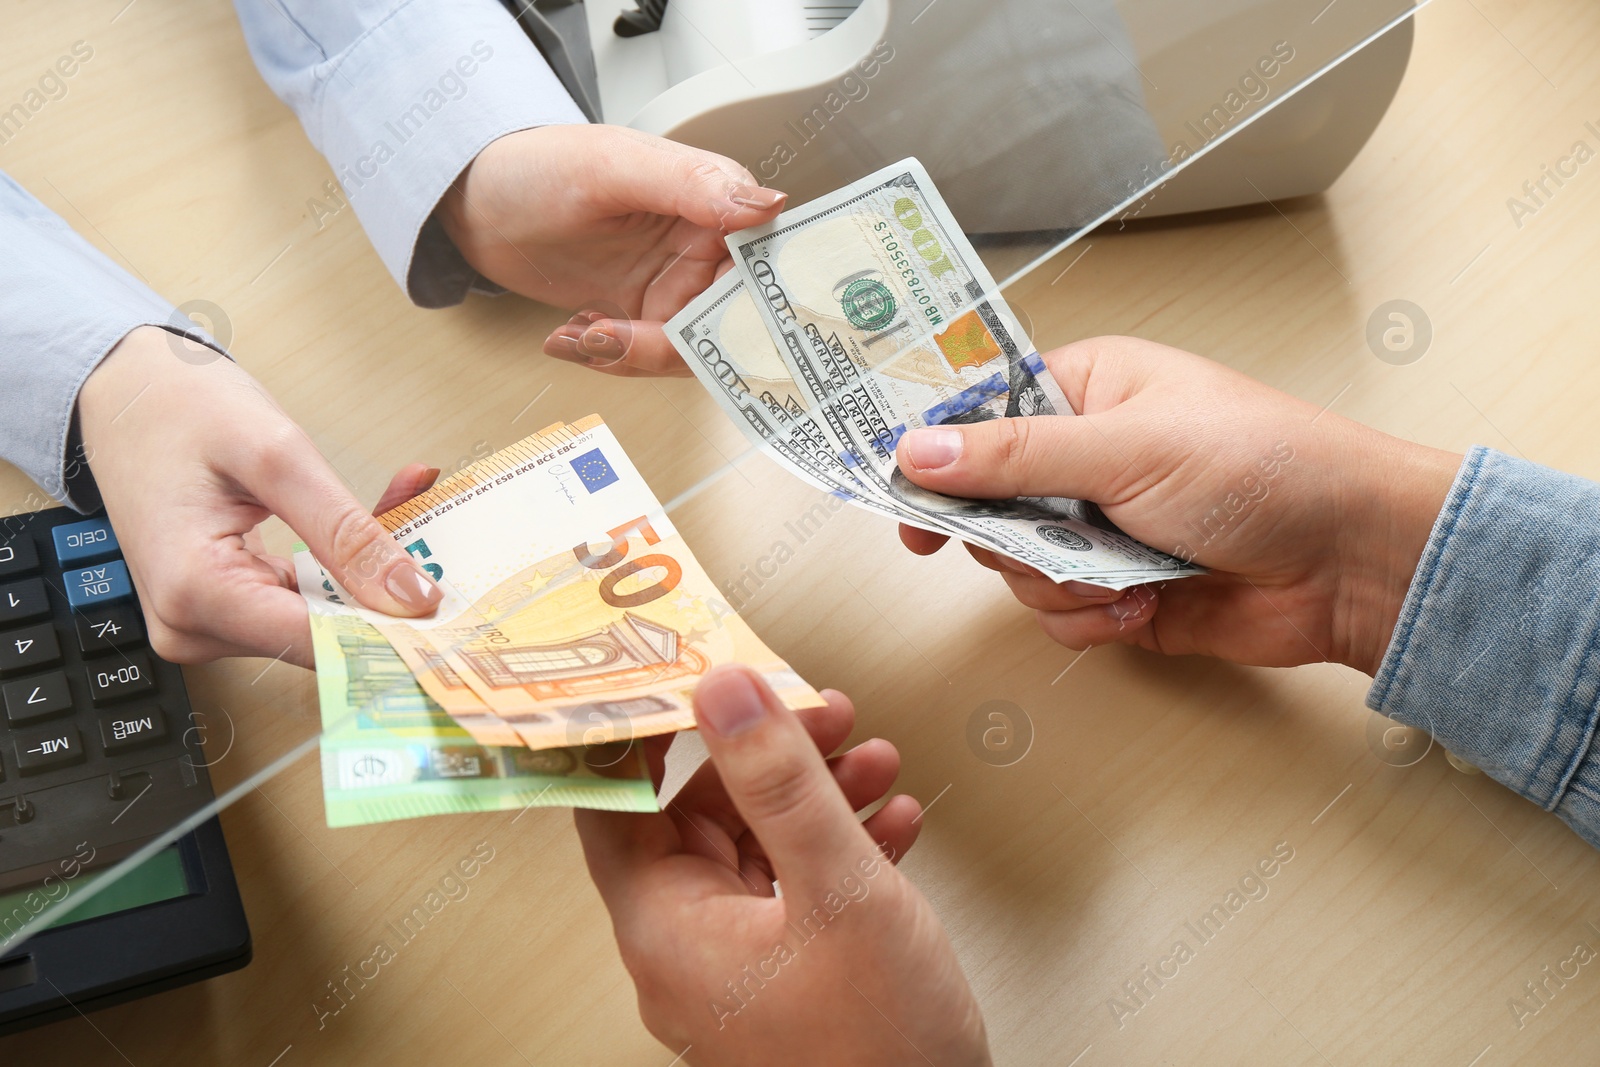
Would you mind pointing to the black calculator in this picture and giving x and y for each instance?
(99, 754)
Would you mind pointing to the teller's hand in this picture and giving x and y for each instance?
(190, 458)
(622, 226)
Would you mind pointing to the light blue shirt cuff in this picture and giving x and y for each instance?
(63, 306)
(404, 108)
(1497, 649)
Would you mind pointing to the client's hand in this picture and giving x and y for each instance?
(1312, 524)
(190, 457)
(849, 966)
(620, 225)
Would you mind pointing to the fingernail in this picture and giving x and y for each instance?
(756, 196)
(735, 705)
(1132, 606)
(429, 476)
(411, 588)
(565, 347)
(599, 341)
(1096, 593)
(929, 449)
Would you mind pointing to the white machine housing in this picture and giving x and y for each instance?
(801, 93)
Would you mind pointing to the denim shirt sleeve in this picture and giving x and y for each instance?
(63, 306)
(400, 95)
(1497, 649)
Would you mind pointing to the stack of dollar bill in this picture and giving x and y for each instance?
(865, 313)
(574, 621)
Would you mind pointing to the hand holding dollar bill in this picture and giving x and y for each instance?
(849, 320)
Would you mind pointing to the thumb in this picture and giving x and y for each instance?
(663, 178)
(297, 484)
(777, 779)
(1043, 455)
(411, 480)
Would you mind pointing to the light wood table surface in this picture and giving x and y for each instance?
(1418, 901)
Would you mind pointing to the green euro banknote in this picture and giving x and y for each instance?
(389, 752)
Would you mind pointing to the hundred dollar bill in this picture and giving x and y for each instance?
(573, 612)
(722, 337)
(389, 752)
(887, 320)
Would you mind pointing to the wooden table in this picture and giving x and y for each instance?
(1418, 900)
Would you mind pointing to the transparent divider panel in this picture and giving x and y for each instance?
(1038, 121)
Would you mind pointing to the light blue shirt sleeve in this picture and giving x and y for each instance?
(1497, 649)
(400, 95)
(63, 306)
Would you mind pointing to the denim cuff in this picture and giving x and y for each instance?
(1497, 649)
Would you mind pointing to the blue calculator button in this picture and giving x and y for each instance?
(99, 584)
(78, 541)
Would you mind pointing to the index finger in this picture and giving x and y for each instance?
(618, 848)
(922, 542)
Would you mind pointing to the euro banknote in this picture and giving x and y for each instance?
(573, 611)
(390, 752)
(723, 337)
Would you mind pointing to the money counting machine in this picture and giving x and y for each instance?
(1031, 115)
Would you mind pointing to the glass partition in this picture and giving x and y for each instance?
(1037, 120)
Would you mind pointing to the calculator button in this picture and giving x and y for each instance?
(79, 541)
(27, 649)
(42, 750)
(104, 629)
(99, 584)
(39, 697)
(23, 600)
(114, 680)
(17, 556)
(119, 733)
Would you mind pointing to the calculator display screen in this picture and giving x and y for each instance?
(159, 878)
